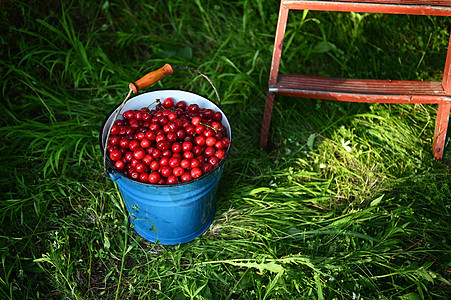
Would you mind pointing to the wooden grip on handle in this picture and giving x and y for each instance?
(150, 78)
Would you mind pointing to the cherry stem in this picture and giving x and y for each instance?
(209, 126)
(156, 101)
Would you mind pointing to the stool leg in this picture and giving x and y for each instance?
(266, 120)
(441, 127)
(274, 72)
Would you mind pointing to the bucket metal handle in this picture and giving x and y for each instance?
(146, 81)
(155, 76)
(150, 78)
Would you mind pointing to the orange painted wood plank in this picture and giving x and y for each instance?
(360, 90)
(432, 8)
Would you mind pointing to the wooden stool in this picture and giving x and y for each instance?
(363, 90)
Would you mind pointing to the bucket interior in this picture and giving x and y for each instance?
(150, 98)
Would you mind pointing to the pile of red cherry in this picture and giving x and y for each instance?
(173, 142)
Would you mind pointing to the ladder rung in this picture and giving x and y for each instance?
(360, 90)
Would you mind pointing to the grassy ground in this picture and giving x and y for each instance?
(348, 204)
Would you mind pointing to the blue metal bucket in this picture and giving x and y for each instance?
(170, 214)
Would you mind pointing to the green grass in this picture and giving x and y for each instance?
(347, 204)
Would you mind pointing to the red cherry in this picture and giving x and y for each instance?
(217, 116)
(163, 120)
(110, 148)
(129, 130)
(119, 164)
(139, 153)
(185, 123)
(220, 153)
(163, 145)
(201, 160)
(115, 155)
(154, 165)
(216, 126)
(140, 136)
(173, 126)
(154, 177)
(134, 123)
(181, 104)
(196, 172)
(209, 132)
(120, 122)
(174, 162)
(128, 156)
(194, 163)
(168, 102)
(134, 174)
(172, 116)
(199, 129)
(146, 117)
(176, 147)
(133, 162)
(209, 113)
(195, 121)
(186, 177)
(210, 141)
(177, 155)
(213, 160)
(129, 114)
(181, 134)
(150, 150)
(187, 146)
(171, 137)
(167, 153)
(154, 126)
(207, 167)
(188, 155)
(226, 142)
(219, 145)
(164, 161)
(197, 150)
(172, 179)
(160, 137)
(124, 142)
(193, 108)
(166, 171)
(157, 153)
(115, 129)
(144, 177)
(178, 171)
(147, 159)
(133, 145)
(150, 135)
(209, 151)
(145, 143)
(166, 128)
(114, 140)
(140, 167)
(138, 115)
(159, 132)
(189, 138)
(185, 163)
(190, 129)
